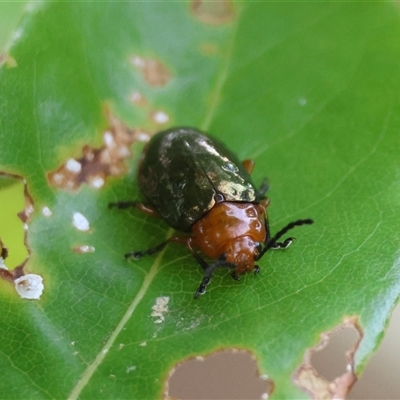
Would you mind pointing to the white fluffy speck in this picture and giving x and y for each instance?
(29, 209)
(265, 396)
(349, 367)
(136, 97)
(2, 265)
(47, 212)
(138, 61)
(143, 137)
(73, 166)
(97, 182)
(58, 178)
(123, 152)
(85, 249)
(161, 117)
(80, 222)
(29, 286)
(160, 308)
(302, 101)
(108, 139)
(130, 368)
(143, 344)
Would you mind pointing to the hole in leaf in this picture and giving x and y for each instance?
(223, 375)
(318, 376)
(14, 197)
(331, 362)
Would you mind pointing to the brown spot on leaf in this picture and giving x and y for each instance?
(191, 378)
(97, 164)
(7, 60)
(311, 381)
(213, 12)
(208, 49)
(154, 71)
(3, 250)
(83, 249)
(26, 213)
(138, 99)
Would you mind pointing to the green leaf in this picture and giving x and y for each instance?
(10, 13)
(308, 90)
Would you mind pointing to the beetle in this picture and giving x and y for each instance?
(199, 187)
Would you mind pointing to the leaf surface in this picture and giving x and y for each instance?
(308, 90)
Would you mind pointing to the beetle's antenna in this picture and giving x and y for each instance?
(273, 242)
(221, 262)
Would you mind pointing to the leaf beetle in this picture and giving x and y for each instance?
(199, 187)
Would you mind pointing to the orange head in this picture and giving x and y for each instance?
(242, 252)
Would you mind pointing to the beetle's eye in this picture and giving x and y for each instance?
(258, 246)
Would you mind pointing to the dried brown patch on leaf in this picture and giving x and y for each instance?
(7, 60)
(154, 71)
(83, 249)
(208, 48)
(213, 12)
(198, 372)
(26, 213)
(14, 275)
(311, 381)
(97, 164)
(3, 250)
(138, 99)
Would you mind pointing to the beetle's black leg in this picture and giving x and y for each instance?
(202, 288)
(196, 255)
(139, 254)
(200, 260)
(182, 240)
(256, 270)
(263, 189)
(235, 276)
(208, 274)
